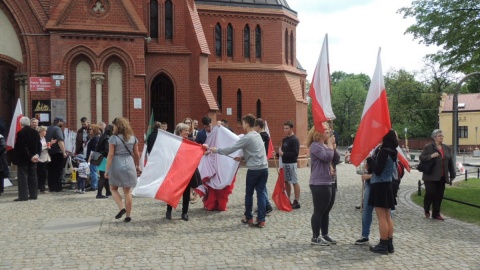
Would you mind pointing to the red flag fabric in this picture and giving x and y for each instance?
(375, 121)
(320, 90)
(403, 159)
(15, 126)
(270, 143)
(170, 166)
(279, 195)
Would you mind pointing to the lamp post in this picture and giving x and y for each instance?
(406, 139)
(455, 115)
(476, 138)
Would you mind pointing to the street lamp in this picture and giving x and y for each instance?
(476, 138)
(406, 139)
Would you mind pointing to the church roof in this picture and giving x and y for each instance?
(248, 3)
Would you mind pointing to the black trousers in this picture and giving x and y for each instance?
(2, 177)
(55, 172)
(185, 201)
(323, 198)
(27, 181)
(41, 175)
(434, 191)
(102, 182)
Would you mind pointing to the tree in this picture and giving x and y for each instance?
(451, 25)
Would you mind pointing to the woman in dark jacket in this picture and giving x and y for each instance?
(102, 147)
(381, 190)
(442, 171)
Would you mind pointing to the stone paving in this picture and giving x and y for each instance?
(74, 231)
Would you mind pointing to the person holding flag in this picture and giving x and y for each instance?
(257, 174)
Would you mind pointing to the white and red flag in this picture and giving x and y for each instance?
(403, 159)
(15, 126)
(375, 121)
(320, 90)
(170, 166)
(218, 171)
(270, 143)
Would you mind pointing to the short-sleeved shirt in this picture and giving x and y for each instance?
(54, 133)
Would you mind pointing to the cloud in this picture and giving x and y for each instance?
(356, 32)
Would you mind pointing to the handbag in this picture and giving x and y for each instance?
(426, 166)
(96, 158)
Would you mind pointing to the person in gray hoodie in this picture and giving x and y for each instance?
(256, 161)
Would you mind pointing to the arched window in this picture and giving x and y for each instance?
(230, 40)
(168, 19)
(259, 108)
(292, 50)
(239, 105)
(154, 19)
(286, 46)
(246, 41)
(218, 40)
(219, 92)
(258, 42)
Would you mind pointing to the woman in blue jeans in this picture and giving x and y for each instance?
(95, 132)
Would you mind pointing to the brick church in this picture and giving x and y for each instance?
(176, 58)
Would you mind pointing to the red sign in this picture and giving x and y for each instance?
(41, 84)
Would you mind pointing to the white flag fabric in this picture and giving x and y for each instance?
(218, 171)
(15, 126)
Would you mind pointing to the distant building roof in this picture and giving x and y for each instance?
(249, 3)
(466, 102)
(299, 66)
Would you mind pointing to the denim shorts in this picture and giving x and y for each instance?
(290, 173)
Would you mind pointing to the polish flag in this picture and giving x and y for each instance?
(270, 143)
(143, 158)
(15, 126)
(279, 195)
(403, 159)
(375, 121)
(170, 166)
(320, 90)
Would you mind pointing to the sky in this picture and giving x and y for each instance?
(356, 30)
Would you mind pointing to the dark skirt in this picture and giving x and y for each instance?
(381, 195)
(196, 179)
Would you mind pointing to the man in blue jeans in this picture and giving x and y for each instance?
(256, 161)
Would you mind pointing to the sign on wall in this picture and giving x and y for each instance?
(59, 108)
(42, 111)
(41, 84)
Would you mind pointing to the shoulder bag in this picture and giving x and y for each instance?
(96, 158)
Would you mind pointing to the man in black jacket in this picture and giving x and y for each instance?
(27, 146)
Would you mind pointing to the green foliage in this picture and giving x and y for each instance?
(451, 25)
(464, 191)
(349, 92)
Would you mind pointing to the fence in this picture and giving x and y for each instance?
(420, 183)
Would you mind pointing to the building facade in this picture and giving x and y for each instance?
(173, 58)
(468, 120)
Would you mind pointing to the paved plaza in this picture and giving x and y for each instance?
(69, 231)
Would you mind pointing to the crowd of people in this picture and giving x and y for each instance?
(40, 153)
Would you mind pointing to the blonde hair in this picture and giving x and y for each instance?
(122, 126)
(313, 136)
(180, 127)
(95, 129)
(41, 128)
(190, 126)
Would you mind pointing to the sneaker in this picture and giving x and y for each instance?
(295, 205)
(269, 209)
(247, 221)
(319, 241)
(258, 224)
(330, 240)
(439, 218)
(362, 241)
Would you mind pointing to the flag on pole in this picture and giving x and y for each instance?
(403, 159)
(15, 126)
(279, 195)
(320, 90)
(172, 163)
(375, 121)
(143, 157)
(270, 143)
(151, 125)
